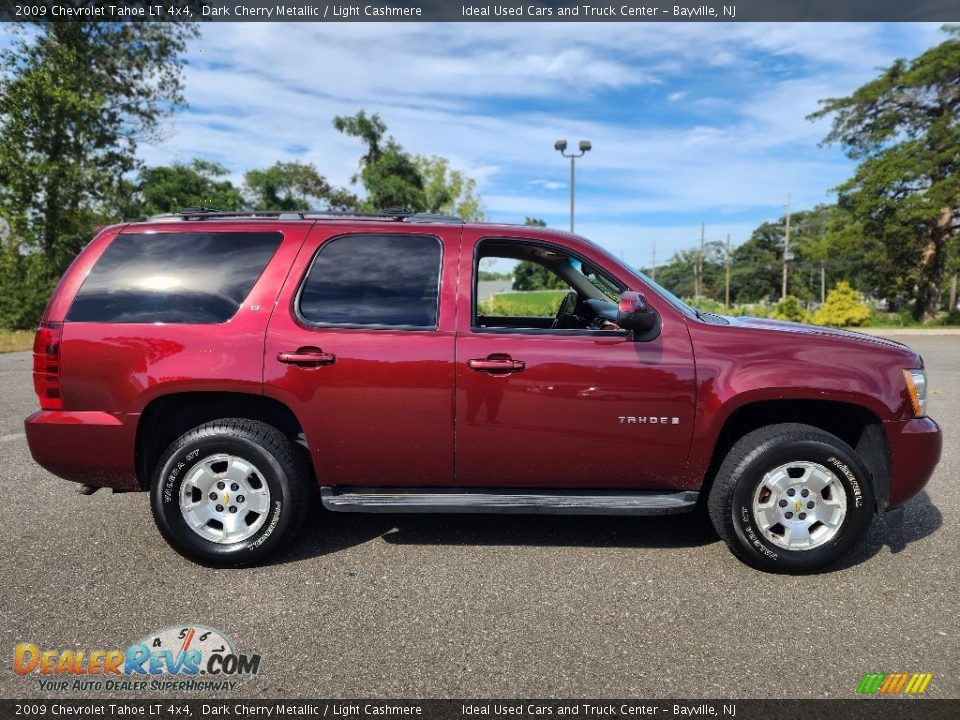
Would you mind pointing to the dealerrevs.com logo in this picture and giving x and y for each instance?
(178, 658)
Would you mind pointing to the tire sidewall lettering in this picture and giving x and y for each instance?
(269, 527)
(178, 467)
(750, 534)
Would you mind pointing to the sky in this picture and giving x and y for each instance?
(690, 123)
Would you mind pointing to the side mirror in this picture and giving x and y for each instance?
(634, 313)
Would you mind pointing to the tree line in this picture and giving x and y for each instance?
(894, 232)
(76, 98)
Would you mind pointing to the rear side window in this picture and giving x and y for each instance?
(374, 280)
(173, 277)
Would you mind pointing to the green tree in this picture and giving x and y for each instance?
(388, 173)
(904, 128)
(678, 274)
(533, 276)
(448, 191)
(293, 186)
(170, 188)
(74, 99)
(844, 307)
(756, 271)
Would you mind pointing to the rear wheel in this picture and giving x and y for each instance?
(230, 492)
(791, 498)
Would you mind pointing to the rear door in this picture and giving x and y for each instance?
(361, 347)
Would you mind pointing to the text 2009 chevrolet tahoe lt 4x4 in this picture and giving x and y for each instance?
(229, 364)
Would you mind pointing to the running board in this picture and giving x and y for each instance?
(439, 500)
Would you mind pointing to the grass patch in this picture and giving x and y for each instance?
(536, 303)
(15, 340)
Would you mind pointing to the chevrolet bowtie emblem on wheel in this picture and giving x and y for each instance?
(226, 499)
(798, 505)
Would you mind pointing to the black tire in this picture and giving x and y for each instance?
(731, 498)
(277, 460)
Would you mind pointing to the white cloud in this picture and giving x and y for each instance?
(667, 143)
(548, 184)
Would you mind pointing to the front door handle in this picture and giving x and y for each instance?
(497, 365)
(307, 357)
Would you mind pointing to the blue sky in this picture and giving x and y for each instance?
(690, 123)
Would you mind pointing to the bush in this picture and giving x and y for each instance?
(790, 308)
(26, 288)
(844, 308)
(708, 305)
(757, 310)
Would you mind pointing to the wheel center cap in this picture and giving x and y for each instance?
(226, 498)
(798, 505)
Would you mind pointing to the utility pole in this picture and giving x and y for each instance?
(726, 263)
(698, 276)
(653, 268)
(823, 284)
(786, 251)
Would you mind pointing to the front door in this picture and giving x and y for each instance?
(548, 395)
(361, 348)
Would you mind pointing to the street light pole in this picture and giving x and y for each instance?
(561, 146)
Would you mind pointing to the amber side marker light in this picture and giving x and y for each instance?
(917, 387)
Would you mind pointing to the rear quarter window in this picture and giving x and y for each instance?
(173, 277)
(381, 281)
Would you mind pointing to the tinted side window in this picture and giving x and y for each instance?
(386, 280)
(173, 277)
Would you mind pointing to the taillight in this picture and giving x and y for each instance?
(46, 365)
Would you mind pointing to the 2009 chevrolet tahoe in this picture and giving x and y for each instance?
(232, 363)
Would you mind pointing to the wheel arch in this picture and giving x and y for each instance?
(856, 425)
(167, 417)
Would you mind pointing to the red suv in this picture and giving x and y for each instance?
(232, 363)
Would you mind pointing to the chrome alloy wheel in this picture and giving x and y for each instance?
(800, 505)
(224, 499)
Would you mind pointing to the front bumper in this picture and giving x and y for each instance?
(93, 448)
(915, 447)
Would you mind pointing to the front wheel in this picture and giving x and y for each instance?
(791, 498)
(230, 492)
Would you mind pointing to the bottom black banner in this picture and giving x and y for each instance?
(799, 709)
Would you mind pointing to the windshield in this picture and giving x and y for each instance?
(657, 287)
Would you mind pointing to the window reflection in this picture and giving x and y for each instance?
(386, 280)
(173, 277)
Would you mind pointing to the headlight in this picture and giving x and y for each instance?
(917, 386)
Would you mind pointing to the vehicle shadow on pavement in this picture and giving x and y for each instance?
(922, 519)
(329, 532)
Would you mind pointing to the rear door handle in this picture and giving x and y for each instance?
(307, 357)
(497, 365)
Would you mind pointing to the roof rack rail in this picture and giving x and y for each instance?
(397, 214)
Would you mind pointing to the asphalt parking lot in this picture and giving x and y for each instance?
(489, 606)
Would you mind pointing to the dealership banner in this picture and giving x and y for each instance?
(481, 11)
(797, 709)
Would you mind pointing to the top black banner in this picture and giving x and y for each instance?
(480, 11)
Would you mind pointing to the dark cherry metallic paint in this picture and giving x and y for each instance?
(406, 408)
